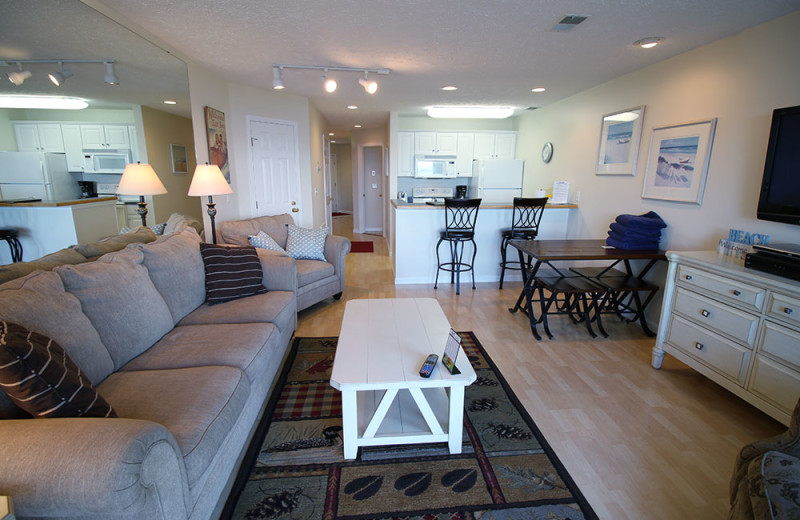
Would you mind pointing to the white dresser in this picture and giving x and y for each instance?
(738, 327)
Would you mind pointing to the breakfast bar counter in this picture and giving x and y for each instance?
(417, 228)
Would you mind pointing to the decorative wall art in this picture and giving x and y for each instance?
(620, 134)
(677, 163)
(217, 141)
(178, 154)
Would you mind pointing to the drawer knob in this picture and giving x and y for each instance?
(689, 277)
(737, 292)
(705, 313)
(787, 310)
(698, 346)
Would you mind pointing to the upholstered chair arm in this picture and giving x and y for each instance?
(336, 249)
(92, 466)
(280, 271)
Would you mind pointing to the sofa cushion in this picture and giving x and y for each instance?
(199, 416)
(119, 298)
(176, 269)
(45, 263)
(237, 231)
(39, 302)
(264, 241)
(306, 243)
(115, 243)
(41, 378)
(231, 273)
(177, 222)
(201, 345)
(310, 271)
(278, 307)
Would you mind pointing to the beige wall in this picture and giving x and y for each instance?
(738, 80)
(318, 128)
(344, 179)
(162, 129)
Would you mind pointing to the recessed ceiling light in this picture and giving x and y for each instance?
(357, 126)
(330, 134)
(649, 43)
(63, 103)
(450, 87)
(352, 107)
(170, 102)
(476, 112)
(538, 89)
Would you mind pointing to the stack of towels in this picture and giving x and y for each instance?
(636, 231)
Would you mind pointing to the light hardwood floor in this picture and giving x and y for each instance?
(640, 443)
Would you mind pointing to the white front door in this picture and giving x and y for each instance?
(373, 189)
(275, 170)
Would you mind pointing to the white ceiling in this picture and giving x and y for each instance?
(495, 51)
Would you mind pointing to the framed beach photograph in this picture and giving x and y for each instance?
(217, 141)
(620, 134)
(178, 154)
(677, 163)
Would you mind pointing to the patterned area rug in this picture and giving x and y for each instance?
(506, 469)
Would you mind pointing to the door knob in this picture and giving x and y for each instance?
(295, 210)
(294, 203)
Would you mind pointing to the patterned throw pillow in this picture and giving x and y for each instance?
(158, 229)
(39, 376)
(231, 273)
(264, 241)
(306, 244)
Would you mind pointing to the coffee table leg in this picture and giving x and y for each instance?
(456, 421)
(350, 423)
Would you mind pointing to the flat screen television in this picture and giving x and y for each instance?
(780, 187)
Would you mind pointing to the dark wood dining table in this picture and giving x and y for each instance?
(535, 253)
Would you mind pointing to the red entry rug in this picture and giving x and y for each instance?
(358, 246)
(338, 214)
(295, 468)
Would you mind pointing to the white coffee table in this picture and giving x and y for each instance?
(382, 345)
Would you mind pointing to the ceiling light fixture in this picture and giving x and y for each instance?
(450, 87)
(18, 77)
(470, 112)
(170, 102)
(329, 83)
(370, 86)
(357, 126)
(649, 43)
(51, 102)
(277, 78)
(110, 76)
(352, 107)
(538, 89)
(60, 76)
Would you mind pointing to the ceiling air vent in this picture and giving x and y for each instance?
(568, 23)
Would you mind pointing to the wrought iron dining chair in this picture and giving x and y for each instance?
(525, 219)
(460, 216)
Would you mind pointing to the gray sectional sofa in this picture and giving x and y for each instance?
(188, 381)
(316, 280)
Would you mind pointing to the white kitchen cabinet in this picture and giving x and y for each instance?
(495, 145)
(105, 136)
(405, 157)
(435, 143)
(134, 142)
(73, 147)
(738, 327)
(464, 149)
(39, 137)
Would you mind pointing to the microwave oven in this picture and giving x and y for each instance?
(435, 167)
(105, 162)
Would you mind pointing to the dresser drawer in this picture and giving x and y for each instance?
(784, 307)
(776, 383)
(780, 343)
(718, 316)
(749, 296)
(714, 351)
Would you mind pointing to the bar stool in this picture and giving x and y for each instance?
(11, 236)
(460, 216)
(525, 220)
(569, 295)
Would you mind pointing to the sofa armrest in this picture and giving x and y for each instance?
(280, 271)
(336, 249)
(84, 466)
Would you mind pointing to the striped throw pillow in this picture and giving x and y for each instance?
(231, 273)
(39, 376)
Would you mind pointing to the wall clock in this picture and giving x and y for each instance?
(547, 152)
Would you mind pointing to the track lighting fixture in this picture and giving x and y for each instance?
(277, 78)
(329, 84)
(61, 75)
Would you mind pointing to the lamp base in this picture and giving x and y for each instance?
(212, 212)
(142, 211)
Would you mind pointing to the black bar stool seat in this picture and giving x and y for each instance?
(525, 219)
(11, 236)
(460, 216)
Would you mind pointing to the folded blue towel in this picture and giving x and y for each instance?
(627, 243)
(645, 233)
(648, 220)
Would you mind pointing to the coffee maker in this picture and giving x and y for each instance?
(461, 191)
(88, 189)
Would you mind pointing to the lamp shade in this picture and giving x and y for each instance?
(208, 180)
(140, 179)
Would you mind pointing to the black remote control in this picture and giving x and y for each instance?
(428, 366)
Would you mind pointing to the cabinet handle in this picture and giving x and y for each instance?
(689, 277)
(705, 313)
(787, 310)
(698, 346)
(737, 292)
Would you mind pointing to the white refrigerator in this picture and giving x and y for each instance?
(496, 180)
(36, 175)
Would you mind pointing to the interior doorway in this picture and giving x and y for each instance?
(372, 189)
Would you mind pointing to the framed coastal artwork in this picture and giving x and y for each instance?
(620, 134)
(177, 153)
(677, 163)
(217, 141)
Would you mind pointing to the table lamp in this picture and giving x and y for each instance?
(140, 179)
(208, 180)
